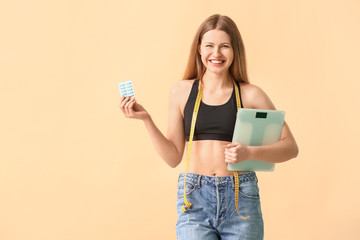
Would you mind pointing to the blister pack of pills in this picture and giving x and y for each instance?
(126, 89)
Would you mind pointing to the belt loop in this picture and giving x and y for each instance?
(232, 182)
(199, 181)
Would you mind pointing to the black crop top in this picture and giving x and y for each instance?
(213, 122)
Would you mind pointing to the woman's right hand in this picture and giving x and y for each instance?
(132, 109)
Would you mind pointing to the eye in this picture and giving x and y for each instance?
(226, 46)
(208, 45)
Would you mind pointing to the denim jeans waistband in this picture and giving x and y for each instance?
(226, 180)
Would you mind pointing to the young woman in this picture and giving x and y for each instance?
(216, 69)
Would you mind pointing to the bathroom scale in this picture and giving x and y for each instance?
(257, 127)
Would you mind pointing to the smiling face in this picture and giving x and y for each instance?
(216, 51)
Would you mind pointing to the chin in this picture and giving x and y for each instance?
(218, 70)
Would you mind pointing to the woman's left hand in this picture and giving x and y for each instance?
(236, 152)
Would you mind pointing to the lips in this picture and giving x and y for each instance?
(217, 61)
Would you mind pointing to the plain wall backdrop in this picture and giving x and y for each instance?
(73, 167)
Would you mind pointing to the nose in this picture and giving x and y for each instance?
(217, 51)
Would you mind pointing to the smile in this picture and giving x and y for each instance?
(217, 61)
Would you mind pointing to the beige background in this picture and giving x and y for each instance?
(73, 167)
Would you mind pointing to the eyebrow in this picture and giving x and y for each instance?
(221, 43)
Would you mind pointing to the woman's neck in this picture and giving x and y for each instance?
(215, 82)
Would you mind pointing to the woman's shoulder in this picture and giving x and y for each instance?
(254, 96)
(250, 89)
(182, 87)
(180, 92)
(184, 83)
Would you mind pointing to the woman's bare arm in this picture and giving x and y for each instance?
(169, 148)
(280, 151)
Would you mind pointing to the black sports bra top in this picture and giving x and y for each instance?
(213, 122)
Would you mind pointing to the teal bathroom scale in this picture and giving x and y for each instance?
(257, 127)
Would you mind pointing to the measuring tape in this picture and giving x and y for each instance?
(188, 205)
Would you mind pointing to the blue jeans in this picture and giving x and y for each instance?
(213, 213)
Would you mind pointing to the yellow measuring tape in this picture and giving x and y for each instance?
(187, 205)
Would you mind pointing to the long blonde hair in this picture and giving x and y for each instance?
(195, 68)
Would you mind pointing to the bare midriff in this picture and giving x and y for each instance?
(208, 158)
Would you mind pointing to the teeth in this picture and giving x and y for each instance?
(214, 61)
